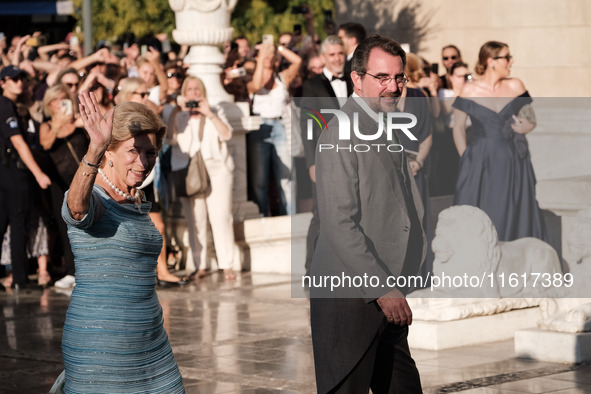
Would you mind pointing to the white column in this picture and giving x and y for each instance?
(204, 25)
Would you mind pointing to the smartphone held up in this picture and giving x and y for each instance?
(268, 39)
(66, 107)
(236, 73)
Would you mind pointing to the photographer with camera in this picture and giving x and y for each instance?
(268, 148)
(195, 128)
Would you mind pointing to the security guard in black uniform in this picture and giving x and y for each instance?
(16, 166)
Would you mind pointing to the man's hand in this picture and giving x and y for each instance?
(396, 308)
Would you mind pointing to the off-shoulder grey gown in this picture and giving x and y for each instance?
(496, 174)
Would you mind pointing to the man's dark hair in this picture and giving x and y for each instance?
(361, 54)
(454, 47)
(354, 29)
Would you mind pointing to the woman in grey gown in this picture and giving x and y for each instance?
(496, 174)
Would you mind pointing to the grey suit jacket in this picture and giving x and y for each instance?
(364, 231)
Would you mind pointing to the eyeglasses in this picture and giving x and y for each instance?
(71, 85)
(449, 57)
(384, 80)
(141, 94)
(507, 57)
(175, 75)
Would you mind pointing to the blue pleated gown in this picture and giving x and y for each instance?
(113, 339)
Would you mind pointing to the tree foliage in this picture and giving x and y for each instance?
(251, 18)
(113, 18)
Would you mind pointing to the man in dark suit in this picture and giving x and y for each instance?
(351, 33)
(322, 91)
(370, 232)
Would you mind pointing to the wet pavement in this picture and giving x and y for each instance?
(250, 336)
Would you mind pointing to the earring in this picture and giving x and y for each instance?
(110, 163)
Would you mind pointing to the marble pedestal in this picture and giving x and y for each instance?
(565, 197)
(551, 346)
(274, 244)
(438, 335)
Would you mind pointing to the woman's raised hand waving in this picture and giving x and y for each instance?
(99, 127)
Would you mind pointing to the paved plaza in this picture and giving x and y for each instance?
(250, 336)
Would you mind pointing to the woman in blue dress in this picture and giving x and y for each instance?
(496, 174)
(114, 340)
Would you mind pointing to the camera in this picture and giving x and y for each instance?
(192, 104)
(299, 10)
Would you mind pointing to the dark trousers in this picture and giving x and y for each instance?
(15, 201)
(386, 367)
(313, 231)
(265, 159)
(57, 199)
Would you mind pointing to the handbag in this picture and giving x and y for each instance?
(291, 120)
(193, 180)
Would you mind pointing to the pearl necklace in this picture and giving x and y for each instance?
(135, 199)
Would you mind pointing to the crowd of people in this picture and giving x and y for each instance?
(40, 85)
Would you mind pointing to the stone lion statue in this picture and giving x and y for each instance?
(466, 245)
(570, 309)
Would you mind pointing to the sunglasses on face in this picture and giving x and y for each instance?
(17, 78)
(71, 84)
(141, 94)
(507, 57)
(449, 57)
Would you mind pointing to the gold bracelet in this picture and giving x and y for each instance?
(87, 173)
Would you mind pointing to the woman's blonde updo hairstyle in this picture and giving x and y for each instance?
(133, 119)
(414, 67)
(490, 49)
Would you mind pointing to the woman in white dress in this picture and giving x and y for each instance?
(186, 124)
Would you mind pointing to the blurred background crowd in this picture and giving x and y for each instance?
(41, 79)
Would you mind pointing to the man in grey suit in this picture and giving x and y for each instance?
(370, 232)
